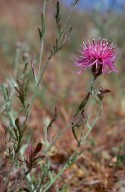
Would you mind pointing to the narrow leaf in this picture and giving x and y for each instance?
(57, 10)
(74, 133)
(40, 33)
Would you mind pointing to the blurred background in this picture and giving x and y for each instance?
(62, 87)
(103, 5)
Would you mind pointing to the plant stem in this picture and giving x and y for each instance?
(67, 20)
(92, 85)
(42, 40)
(41, 73)
(90, 127)
(13, 188)
(70, 161)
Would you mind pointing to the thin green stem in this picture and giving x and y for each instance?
(73, 158)
(92, 91)
(41, 73)
(37, 85)
(56, 138)
(56, 177)
(8, 175)
(42, 40)
(90, 127)
(67, 20)
(13, 188)
(70, 124)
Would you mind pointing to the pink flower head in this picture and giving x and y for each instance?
(99, 55)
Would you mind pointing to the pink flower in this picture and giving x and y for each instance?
(99, 55)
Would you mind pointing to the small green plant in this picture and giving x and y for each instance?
(21, 154)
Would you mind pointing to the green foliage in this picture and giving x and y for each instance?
(42, 31)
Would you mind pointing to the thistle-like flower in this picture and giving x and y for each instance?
(99, 55)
